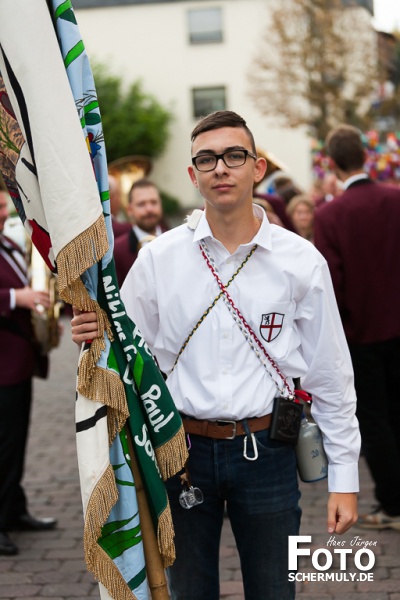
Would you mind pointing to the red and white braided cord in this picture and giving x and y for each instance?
(245, 328)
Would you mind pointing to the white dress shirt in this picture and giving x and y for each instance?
(17, 262)
(218, 376)
(141, 234)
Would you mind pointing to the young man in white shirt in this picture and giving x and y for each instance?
(281, 285)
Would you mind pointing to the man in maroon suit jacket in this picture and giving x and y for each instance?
(17, 360)
(358, 233)
(145, 212)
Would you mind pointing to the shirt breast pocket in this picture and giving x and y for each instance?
(275, 328)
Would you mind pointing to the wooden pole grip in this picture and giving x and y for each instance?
(154, 566)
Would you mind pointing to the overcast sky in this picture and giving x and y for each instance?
(387, 15)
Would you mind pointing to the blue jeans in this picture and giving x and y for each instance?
(262, 504)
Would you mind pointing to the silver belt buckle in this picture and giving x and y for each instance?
(222, 422)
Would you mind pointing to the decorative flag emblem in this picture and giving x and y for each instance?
(271, 326)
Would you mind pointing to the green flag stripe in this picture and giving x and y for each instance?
(121, 482)
(62, 8)
(116, 467)
(138, 579)
(110, 528)
(138, 369)
(112, 361)
(74, 53)
(91, 106)
(116, 543)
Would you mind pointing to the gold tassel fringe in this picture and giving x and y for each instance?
(172, 455)
(102, 499)
(165, 537)
(99, 385)
(106, 387)
(81, 253)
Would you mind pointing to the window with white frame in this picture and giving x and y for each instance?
(205, 25)
(208, 99)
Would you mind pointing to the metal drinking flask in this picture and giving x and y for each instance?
(312, 463)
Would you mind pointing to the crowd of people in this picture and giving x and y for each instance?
(294, 208)
(314, 273)
(356, 234)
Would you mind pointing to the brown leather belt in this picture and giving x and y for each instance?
(224, 430)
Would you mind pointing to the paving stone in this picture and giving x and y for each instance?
(67, 589)
(18, 591)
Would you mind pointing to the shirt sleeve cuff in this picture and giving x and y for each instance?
(13, 301)
(343, 478)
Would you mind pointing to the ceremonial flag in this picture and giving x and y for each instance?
(53, 161)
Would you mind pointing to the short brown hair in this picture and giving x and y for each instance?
(141, 183)
(219, 119)
(344, 146)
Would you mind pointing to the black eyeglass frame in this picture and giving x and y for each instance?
(222, 155)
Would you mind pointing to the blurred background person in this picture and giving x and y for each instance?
(269, 210)
(18, 359)
(286, 188)
(331, 187)
(275, 209)
(301, 211)
(272, 203)
(358, 233)
(316, 190)
(145, 213)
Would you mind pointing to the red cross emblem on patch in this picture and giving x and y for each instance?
(271, 326)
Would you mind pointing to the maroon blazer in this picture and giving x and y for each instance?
(120, 227)
(358, 234)
(17, 353)
(125, 253)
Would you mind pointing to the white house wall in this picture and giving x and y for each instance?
(150, 42)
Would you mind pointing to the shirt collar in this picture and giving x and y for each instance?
(353, 179)
(140, 233)
(262, 237)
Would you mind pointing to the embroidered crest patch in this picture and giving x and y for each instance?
(271, 326)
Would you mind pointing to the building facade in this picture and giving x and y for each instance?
(194, 56)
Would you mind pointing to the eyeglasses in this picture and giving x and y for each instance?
(232, 159)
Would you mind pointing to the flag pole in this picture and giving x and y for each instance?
(154, 566)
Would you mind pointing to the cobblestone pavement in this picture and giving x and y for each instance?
(50, 564)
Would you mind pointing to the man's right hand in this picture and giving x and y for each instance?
(31, 299)
(83, 326)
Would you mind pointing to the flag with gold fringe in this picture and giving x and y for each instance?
(53, 161)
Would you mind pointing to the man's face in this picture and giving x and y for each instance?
(225, 188)
(3, 210)
(145, 209)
